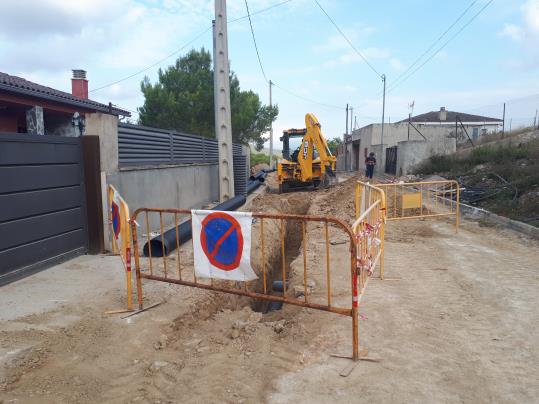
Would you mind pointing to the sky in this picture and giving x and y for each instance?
(492, 60)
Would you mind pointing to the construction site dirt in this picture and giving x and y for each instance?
(454, 321)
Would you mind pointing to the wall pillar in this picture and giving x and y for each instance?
(34, 121)
(105, 126)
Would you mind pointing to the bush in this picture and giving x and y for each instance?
(261, 158)
(497, 155)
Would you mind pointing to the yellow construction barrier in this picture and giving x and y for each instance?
(369, 230)
(120, 231)
(412, 200)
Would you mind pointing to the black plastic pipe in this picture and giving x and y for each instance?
(261, 174)
(252, 185)
(166, 244)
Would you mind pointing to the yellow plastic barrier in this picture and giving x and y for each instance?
(120, 231)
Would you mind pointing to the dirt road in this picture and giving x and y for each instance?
(457, 323)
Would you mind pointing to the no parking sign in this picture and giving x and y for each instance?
(222, 245)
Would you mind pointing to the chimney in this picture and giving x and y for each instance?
(79, 84)
(442, 114)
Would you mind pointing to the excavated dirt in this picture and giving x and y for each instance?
(456, 323)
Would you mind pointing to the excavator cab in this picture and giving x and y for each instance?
(311, 164)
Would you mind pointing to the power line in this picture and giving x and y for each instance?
(305, 98)
(443, 46)
(154, 64)
(434, 43)
(184, 46)
(347, 40)
(254, 42)
(260, 11)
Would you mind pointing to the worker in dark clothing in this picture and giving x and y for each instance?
(370, 162)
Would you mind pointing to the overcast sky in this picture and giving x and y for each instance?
(494, 59)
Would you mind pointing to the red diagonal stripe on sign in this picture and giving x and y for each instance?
(222, 240)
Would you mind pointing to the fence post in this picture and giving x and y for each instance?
(171, 147)
(355, 301)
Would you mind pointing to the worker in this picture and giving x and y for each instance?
(370, 162)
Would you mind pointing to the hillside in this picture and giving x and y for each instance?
(501, 175)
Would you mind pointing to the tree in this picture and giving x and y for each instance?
(182, 100)
(333, 144)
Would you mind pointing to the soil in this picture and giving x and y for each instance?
(455, 321)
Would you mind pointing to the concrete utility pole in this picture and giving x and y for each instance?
(346, 119)
(221, 91)
(271, 129)
(383, 115)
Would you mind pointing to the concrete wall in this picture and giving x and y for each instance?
(180, 187)
(409, 154)
(441, 140)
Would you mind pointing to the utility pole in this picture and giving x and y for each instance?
(409, 120)
(221, 91)
(346, 119)
(271, 129)
(503, 121)
(355, 122)
(383, 116)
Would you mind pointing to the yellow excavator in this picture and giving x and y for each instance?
(311, 164)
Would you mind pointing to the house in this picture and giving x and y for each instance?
(27, 107)
(408, 142)
(51, 178)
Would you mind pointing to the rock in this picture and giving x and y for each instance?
(300, 291)
(278, 327)
(234, 334)
(157, 365)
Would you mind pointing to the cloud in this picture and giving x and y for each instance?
(512, 31)
(396, 64)
(530, 14)
(336, 42)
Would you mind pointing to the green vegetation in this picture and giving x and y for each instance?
(182, 99)
(261, 158)
(333, 144)
(518, 164)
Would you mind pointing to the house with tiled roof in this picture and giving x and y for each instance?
(28, 107)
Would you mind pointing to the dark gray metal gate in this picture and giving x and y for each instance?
(391, 160)
(42, 203)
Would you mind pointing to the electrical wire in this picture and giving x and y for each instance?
(259, 11)
(434, 43)
(441, 47)
(348, 40)
(183, 47)
(154, 64)
(254, 42)
(307, 99)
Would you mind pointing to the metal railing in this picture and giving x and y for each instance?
(178, 268)
(413, 200)
(142, 145)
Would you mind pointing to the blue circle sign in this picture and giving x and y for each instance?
(222, 241)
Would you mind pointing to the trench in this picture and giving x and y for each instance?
(293, 244)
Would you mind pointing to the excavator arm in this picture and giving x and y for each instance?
(314, 139)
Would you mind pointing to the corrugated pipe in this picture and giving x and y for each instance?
(166, 244)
